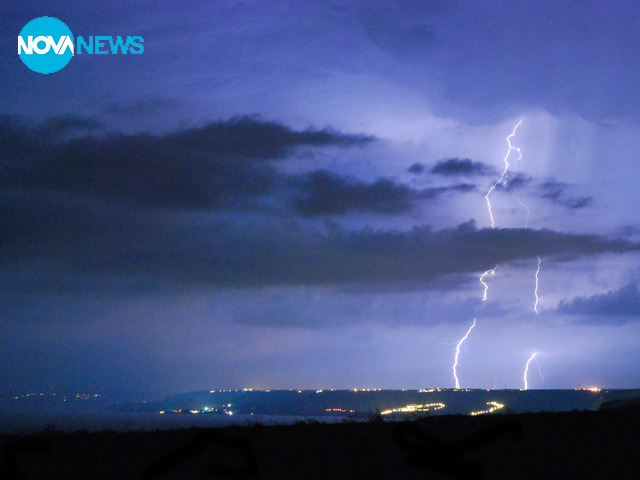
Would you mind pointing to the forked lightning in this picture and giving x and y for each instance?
(455, 363)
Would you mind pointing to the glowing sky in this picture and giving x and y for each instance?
(292, 195)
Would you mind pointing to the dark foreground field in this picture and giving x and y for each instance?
(578, 445)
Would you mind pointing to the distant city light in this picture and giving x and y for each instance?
(414, 408)
(494, 406)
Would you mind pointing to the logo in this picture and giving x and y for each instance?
(46, 45)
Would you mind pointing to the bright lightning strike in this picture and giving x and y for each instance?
(503, 177)
(526, 370)
(486, 286)
(535, 305)
(522, 204)
(455, 363)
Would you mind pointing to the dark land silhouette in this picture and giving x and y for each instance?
(556, 445)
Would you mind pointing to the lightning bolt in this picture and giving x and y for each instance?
(522, 204)
(526, 370)
(503, 178)
(486, 287)
(535, 305)
(455, 363)
(503, 181)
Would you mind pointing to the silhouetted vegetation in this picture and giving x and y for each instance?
(581, 445)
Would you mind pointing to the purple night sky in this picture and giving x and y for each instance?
(291, 194)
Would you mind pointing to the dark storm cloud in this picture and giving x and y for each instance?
(464, 166)
(513, 182)
(622, 302)
(44, 233)
(256, 139)
(326, 193)
(516, 181)
(556, 192)
(19, 142)
(196, 168)
(423, 254)
(417, 168)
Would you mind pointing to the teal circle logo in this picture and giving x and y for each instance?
(45, 45)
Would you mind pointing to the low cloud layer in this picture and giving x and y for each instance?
(559, 193)
(64, 234)
(139, 212)
(326, 193)
(462, 167)
(199, 168)
(624, 301)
